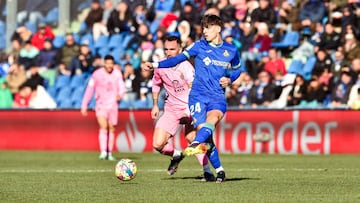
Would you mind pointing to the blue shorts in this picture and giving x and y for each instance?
(199, 105)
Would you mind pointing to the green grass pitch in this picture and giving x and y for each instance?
(37, 176)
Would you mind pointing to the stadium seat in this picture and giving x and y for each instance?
(101, 42)
(65, 104)
(103, 51)
(62, 81)
(296, 67)
(59, 41)
(64, 94)
(77, 94)
(31, 26)
(291, 39)
(52, 16)
(115, 41)
(77, 81)
(117, 54)
(2, 28)
(308, 67)
(87, 39)
(52, 91)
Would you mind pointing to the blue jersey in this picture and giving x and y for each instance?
(211, 63)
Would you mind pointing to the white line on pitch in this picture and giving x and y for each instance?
(162, 170)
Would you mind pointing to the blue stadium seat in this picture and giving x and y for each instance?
(62, 81)
(308, 67)
(117, 54)
(52, 91)
(52, 16)
(59, 41)
(291, 39)
(77, 81)
(296, 67)
(31, 26)
(65, 104)
(103, 51)
(77, 94)
(2, 27)
(101, 42)
(64, 94)
(115, 41)
(87, 39)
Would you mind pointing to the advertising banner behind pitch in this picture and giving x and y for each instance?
(286, 132)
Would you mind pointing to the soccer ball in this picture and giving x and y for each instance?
(125, 169)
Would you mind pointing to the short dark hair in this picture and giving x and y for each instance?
(172, 38)
(211, 19)
(109, 57)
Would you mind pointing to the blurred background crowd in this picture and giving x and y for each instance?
(299, 54)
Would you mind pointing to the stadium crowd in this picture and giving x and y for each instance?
(299, 54)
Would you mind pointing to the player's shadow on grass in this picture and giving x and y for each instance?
(200, 177)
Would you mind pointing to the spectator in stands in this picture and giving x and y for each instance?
(22, 34)
(47, 58)
(145, 94)
(132, 86)
(247, 36)
(227, 11)
(27, 55)
(265, 13)
(355, 102)
(14, 52)
(314, 96)
(99, 28)
(6, 98)
(120, 19)
(341, 91)
(298, 91)
(259, 46)
(323, 60)
(15, 78)
(34, 79)
(289, 16)
(141, 35)
(47, 61)
(95, 15)
(190, 15)
(38, 38)
(133, 4)
(350, 48)
(276, 64)
(311, 12)
(22, 98)
(82, 63)
(262, 93)
(339, 61)
(355, 69)
(66, 53)
(240, 9)
(239, 92)
(34, 11)
(330, 39)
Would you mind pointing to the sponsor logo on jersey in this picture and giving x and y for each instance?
(226, 53)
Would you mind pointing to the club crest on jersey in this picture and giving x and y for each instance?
(226, 53)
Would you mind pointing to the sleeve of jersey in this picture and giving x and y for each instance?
(121, 85)
(156, 80)
(173, 61)
(237, 69)
(88, 93)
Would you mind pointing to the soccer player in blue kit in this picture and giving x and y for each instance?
(217, 64)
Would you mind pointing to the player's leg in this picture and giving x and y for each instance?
(197, 106)
(103, 136)
(214, 159)
(112, 118)
(165, 127)
(190, 133)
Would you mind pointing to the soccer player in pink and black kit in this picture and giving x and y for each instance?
(177, 83)
(109, 87)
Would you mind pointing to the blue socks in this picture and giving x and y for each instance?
(204, 133)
